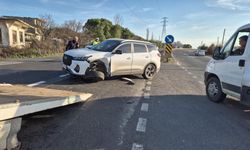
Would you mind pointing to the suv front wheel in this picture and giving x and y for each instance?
(149, 71)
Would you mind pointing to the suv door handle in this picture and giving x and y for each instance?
(128, 58)
(241, 62)
(146, 57)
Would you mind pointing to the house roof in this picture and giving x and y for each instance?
(28, 20)
(18, 20)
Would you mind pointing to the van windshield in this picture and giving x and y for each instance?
(106, 46)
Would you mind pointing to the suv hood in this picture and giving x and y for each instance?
(85, 52)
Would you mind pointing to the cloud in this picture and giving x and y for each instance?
(44, 1)
(147, 9)
(100, 4)
(229, 4)
(198, 15)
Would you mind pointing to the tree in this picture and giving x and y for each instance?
(73, 25)
(187, 46)
(203, 47)
(127, 34)
(98, 28)
(118, 20)
(116, 31)
(47, 25)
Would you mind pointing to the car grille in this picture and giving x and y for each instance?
(67, 60)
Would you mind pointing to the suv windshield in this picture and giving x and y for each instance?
(106, 46)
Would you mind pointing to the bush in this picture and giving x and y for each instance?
(36, 49)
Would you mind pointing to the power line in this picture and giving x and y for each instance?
(164, 28)
(133, 13)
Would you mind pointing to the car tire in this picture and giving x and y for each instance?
(149, 71)
(214, 91)
(95, 76)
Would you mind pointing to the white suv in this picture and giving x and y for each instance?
(114, 57)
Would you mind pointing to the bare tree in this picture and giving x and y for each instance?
(73, 25)
(47, 25)
(118, 20)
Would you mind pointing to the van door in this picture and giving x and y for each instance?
(230, 70)
(121, 63)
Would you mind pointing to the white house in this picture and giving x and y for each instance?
(12, 32)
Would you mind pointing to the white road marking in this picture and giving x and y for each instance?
(5, 84)
(189, 73)
(137, 146)
(9, 63)
(141, 125)
(183, 68)
(37, 83)
(194, 77)
(63, 75)
(144, 107)
(148, 82)
(202, 83)
(178, 63)
(146, 95)
(148, 88)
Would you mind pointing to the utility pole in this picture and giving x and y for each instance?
(218, 41)
(147, 34)
(224, 32)
(164, 28)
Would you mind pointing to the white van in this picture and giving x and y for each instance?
(228, 72)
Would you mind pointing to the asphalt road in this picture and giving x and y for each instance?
(169, 112)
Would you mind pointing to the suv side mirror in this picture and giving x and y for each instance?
(117, 52)
(217, 54)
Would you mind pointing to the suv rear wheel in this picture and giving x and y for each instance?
(149, 71)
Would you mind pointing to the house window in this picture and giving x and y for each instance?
(1, 39)
(14, 34)
(21, 37)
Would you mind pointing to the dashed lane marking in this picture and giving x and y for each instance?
(148, 83)
(189, 73)
(141, 125)
(146, 95)
(144, 107)
(148, 88)
(63, 75)
(194, 77)
(36, 84)
(137, 146)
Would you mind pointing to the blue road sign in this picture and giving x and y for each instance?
(169, 39)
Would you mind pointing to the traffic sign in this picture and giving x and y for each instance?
(169, 48)
(169, 39)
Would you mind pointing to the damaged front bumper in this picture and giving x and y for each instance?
(76, 67)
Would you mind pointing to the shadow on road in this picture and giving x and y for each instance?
(96, 123)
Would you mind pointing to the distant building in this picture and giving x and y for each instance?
(19, 31)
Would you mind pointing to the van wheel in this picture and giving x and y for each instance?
(214, 91)
(149, 71)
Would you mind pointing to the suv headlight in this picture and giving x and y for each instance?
(80, 58)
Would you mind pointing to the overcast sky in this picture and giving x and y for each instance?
(190, 21)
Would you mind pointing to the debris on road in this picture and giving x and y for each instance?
(129, 81)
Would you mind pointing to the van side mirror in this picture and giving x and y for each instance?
(217, 54)
(117, 52)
